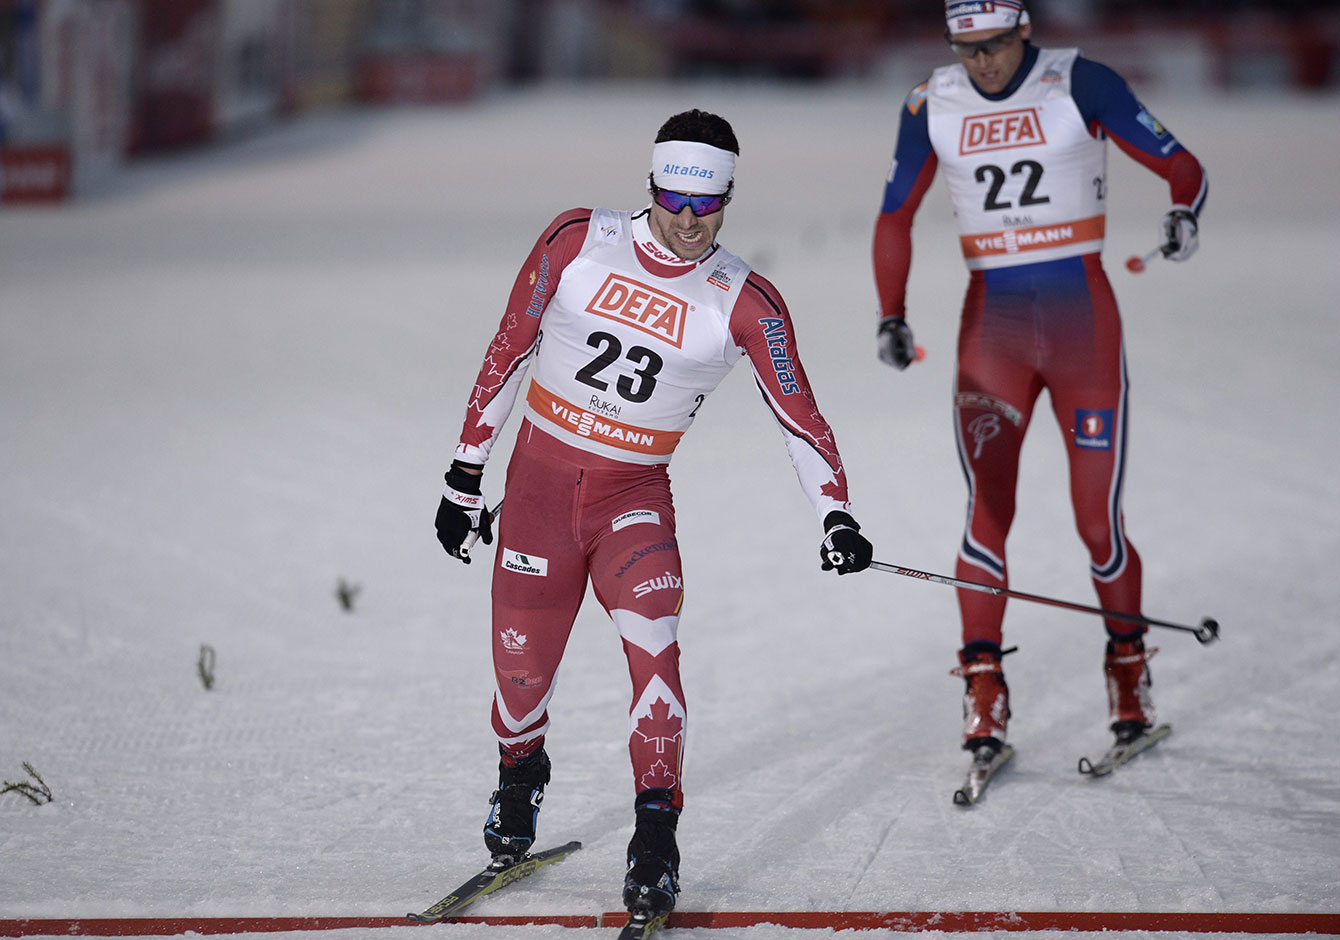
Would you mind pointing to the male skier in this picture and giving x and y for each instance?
(1020, 133)
(618, 327)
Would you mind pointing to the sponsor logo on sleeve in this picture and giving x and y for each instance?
(640, 305)
(1093, 428)
(1151, 123)
(524, 564)
(779, 344)
(539, 281)
(634, 517)
(999, 130)
(917, 97)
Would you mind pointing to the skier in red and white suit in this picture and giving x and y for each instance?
(619, 326)
(1020, 133)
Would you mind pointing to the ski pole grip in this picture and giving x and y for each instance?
(469, 542)
(486, 521)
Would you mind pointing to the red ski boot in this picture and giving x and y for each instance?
(1130, 708)
(986, 697)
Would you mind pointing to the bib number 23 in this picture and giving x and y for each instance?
(635, 387)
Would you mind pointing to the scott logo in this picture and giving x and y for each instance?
(642, 306)
(1003, 129)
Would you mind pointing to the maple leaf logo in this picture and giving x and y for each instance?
(659, 775)
(653, 728)
(831, 490)
(511, 640)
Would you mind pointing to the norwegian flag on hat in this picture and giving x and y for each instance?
(963, 16)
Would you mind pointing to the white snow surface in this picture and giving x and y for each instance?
(234, 379)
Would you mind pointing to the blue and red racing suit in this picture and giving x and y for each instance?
(1026, 171)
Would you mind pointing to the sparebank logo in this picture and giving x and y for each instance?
(642, 306)
(1093, 428)
(524, 564)
(996, 131)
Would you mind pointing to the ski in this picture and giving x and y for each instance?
(1123, 751)
(642, 924)
(490, 880)
(985, 763)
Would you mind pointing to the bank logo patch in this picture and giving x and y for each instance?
(642, 306)
(1001, 129)
(525, 564)
(1093, 428)
(634, 517)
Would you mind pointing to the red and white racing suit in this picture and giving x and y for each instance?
(612, 344)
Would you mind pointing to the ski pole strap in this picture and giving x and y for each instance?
(1206, 632)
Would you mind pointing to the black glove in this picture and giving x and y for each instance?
(1179, 228)
(844, 547)
(896, 347)
(462, 511)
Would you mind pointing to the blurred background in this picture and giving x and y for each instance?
(87, 85)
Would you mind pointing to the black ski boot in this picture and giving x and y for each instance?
(509, 831)
(652, 881)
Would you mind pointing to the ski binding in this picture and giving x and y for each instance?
(1122, 751)
(985, 762)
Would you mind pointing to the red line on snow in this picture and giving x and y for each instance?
(175, 926)
(901, 921)
(974, 921)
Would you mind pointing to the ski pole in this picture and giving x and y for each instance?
(1135, 264)
(1207, 631)
(485, 521)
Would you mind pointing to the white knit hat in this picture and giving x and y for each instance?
(968, 16)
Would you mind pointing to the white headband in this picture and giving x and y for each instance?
(690, 167)
(968, 16)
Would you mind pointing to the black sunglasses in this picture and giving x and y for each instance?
(969, 50)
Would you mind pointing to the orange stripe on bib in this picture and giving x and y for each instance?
(1016, 240)
(583, 423)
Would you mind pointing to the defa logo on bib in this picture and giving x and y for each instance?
(642, 306)
(984, 132)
